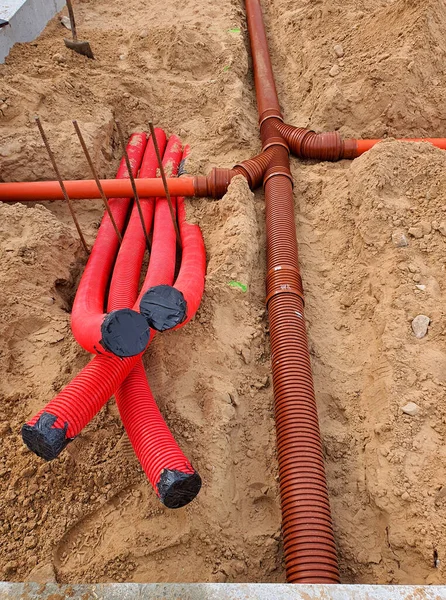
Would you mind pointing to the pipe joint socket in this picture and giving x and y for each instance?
(284, 279)
(275, 170)
(214, 185)
(270, 113)
(305, 143)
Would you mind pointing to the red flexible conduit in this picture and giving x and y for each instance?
(95, 331)
(88, 306)
(167, 468)
(126, 273)
(64, 417)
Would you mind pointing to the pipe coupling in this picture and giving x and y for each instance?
(284, 280)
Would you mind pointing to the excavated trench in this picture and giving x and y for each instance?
(359, 68)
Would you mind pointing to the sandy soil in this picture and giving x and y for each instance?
(90, 515)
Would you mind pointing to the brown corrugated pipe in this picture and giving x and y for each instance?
(305, 143)
(310, 552)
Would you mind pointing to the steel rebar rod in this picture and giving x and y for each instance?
(97, 180)
(132, 181)
(166, 187)
(61, 184)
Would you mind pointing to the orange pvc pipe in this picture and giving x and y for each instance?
(364, 145)
(85, 189)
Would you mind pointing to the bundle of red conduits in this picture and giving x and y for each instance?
(120, 335)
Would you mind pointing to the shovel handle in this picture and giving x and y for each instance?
(72, 21)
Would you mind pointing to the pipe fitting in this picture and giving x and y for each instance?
(269, 113)
(214, 185)
(271, 135)
(305, 143)
(284, 279)
(254, 168)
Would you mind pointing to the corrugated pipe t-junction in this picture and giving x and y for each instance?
(309, 546)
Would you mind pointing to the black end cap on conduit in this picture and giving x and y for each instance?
(43, 439)
(164, 307)
(125, 332)
(176, 489)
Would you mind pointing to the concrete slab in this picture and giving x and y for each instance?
(218, 591)
(27, 19)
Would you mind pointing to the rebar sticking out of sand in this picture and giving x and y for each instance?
(132, 181)
(166, 187)
(61, 183)
(96, 178)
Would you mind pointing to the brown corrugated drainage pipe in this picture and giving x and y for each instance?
(310, 552)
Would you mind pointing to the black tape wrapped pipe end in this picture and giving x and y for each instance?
(43, 439)
(125, 332)
(164, 307)
(176, 489)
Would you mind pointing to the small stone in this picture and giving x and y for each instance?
(59, 58)
(29, 471)
(10, 568)
(346, 300)
(65, 21)
(410, 409)
(416, 277)
(335, 70)
(47, 300)
(420, 325)
(421, 287)
(442, 228)
(399, 239)
(426, 227)
(122, 57)
(405, 496)
(5, 428)
(30, 542)
(144, 33)
(126, 95)
(42, 573)
(416, 232)
(338, 50)
(10, 149)
(239, 566)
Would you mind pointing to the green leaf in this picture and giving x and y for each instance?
(234, 30)
(239, 285)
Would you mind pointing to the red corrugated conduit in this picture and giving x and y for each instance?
(167, 468)
(64, 417)
(90, 295)
(123, 332)
(87, 317)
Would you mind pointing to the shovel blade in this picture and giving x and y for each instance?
(80, 47)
